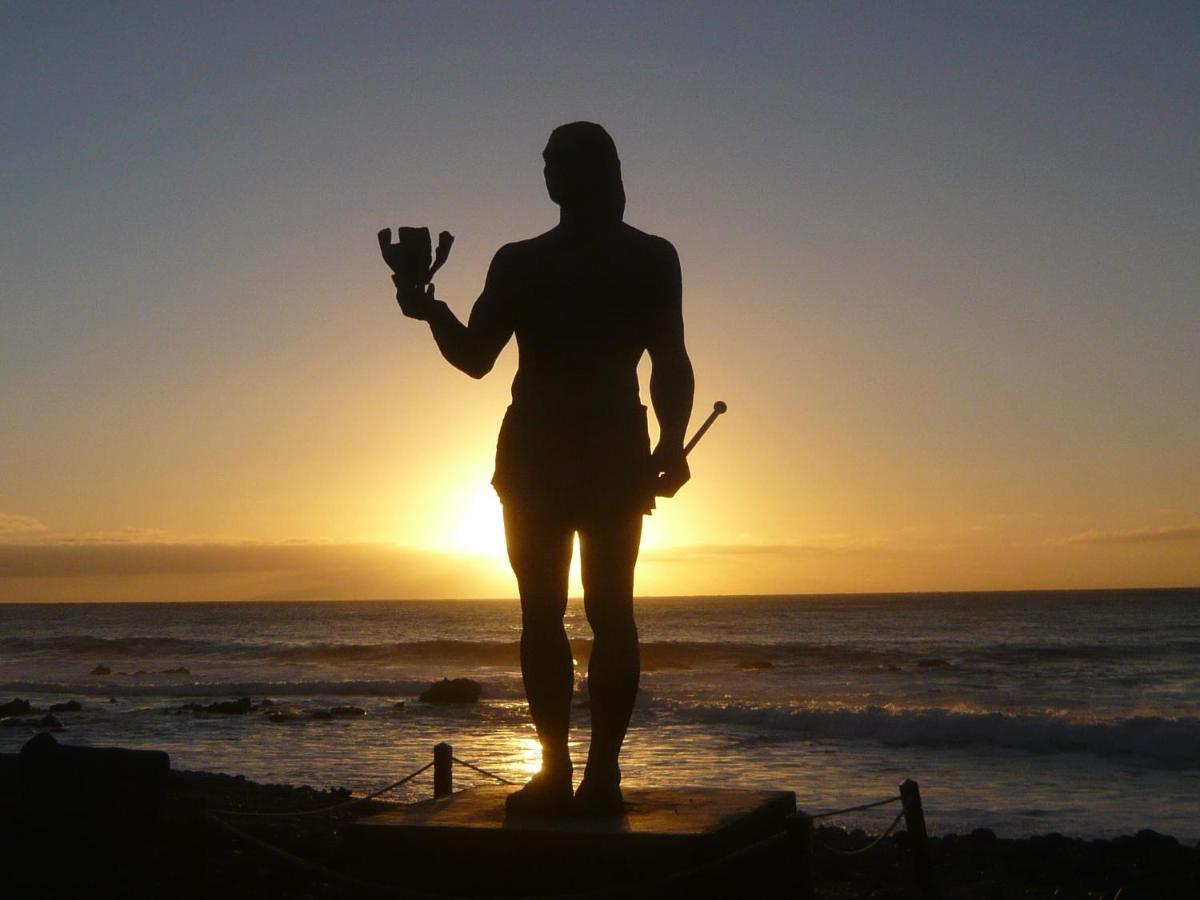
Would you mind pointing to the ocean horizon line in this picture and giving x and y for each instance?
(798, 595)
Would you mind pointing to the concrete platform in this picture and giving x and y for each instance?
(466, 843)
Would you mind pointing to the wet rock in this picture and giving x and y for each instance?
(112, 699)
(178, 670)
(934, 663)
(458, 690)
(321, 715)
(266, 702)
(101, 670)
(282, 717)
(755, 664)
(69, 706)
(15, 707)
(398, 706)
(834, 834)
(219, 708)
(49, 721)
(347, 711)
(230, 707)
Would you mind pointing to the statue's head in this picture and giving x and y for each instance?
(583, 171)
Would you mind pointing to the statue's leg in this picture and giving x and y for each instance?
(539, 548)
(608, 556)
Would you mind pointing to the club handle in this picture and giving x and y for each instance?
(718, 408)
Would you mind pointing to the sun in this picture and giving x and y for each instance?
(474, 523)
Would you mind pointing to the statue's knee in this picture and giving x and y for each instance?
(612, 624)
(542, 621)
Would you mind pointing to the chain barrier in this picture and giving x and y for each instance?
(322, 809)
(393, 890)
(482, 771)
(841, 852)
(850, 809)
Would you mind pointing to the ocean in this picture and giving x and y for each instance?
(1025, 712)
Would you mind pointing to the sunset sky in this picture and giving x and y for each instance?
(941, 261)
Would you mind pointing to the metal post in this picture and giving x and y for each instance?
(914, 821)
(800, 827)
(443, 770)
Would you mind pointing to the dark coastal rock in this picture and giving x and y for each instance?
(15, 707)
(219, 708)
(97, 792)
(282, 717)
(178, 670)
(398, 706)
(112, 699)
(934, 663)
(230, 707)
(983, 837)
(321, 715)
(347, 711)
(458, 690)
(49, 721)
(832, 834)
(10, 771)
(1148, 837)
(101, 670)
(69, 706)
(755, 664)
(266, 702)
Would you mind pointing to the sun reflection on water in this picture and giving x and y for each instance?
(526, 755)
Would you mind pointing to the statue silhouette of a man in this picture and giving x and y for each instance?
(585, 301)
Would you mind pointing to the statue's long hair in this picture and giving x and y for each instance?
(603, 193)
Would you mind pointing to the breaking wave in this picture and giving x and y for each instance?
(1164, 740)
(492, 690)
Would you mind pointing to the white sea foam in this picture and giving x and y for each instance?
(1164, 740)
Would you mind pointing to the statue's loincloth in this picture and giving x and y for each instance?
(581, 465)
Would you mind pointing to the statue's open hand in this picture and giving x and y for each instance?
(671, 470)
(416, 300)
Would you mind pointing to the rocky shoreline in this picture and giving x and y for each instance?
(186, 852)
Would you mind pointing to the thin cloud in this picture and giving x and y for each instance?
(833, 547)
(1137, 535)
(90, 557)
(90, 570)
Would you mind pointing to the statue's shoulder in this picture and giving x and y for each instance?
(516, 253)
(649, 244)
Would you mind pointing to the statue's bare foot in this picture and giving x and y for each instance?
(599, 797)
(547, 793)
